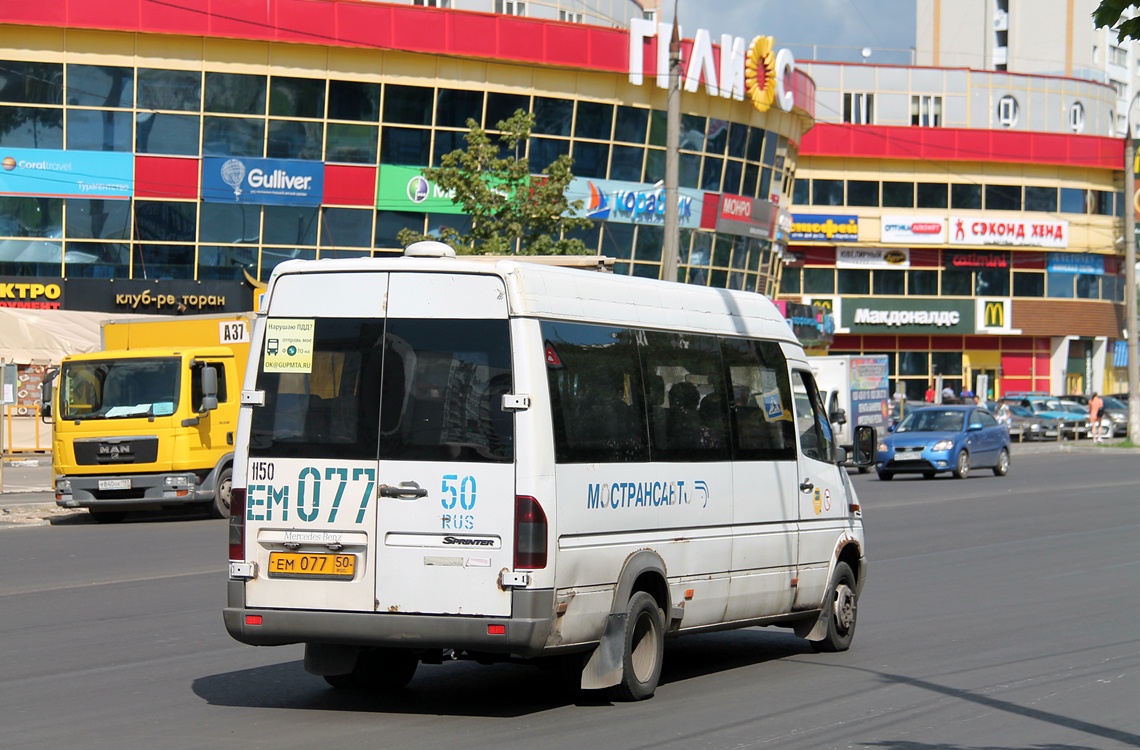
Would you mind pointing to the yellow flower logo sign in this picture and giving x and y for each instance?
(760, 73)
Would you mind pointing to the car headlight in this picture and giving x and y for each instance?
(883, 448)
(1034, 427)
(943, 445)
(1117, 418)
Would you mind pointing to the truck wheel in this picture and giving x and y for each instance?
(841, 607)
(107, 516)
(644, 649)
(220, 507)
(380, 670)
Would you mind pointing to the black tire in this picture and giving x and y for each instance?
(886, 476)
(644, 649)
(928, 475)
(107, 516)
(378, 670)
(842, 607)
(864, 469)
(1001, 468)
(223, 490)
(962, 465)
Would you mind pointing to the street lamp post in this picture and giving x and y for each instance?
(672, 239)
(1130, 280)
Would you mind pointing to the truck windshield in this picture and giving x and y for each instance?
(119, 388)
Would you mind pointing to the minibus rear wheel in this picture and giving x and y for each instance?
(644, 649)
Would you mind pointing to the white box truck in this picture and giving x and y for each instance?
(856, 390)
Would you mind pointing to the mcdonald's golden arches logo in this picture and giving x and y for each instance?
(994, 314)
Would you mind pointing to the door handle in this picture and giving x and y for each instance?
(406, 489)
(806, 486)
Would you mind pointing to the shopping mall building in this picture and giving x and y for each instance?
(968, 223)
(157, 151)
(163, 157)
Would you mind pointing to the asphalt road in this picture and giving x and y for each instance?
(999, 613)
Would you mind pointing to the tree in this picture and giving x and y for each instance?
(1108, 14)
(511, 210)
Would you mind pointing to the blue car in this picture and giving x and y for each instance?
(939, 439)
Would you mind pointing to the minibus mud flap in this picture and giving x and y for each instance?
(604, 668)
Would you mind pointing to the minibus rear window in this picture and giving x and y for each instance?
(405, 389)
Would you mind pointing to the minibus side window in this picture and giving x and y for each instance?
(761, 403)
(596, 397)
(685, 397)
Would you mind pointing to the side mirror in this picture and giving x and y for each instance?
(209, 388)
(838, 416)
(46, 394)
(863, 448)
(975, 426)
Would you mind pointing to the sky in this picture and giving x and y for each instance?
(835, 30)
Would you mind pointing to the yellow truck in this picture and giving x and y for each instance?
(149, 422)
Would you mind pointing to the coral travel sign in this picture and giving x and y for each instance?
(66, 174)
(754, 70)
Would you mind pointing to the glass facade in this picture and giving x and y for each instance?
(161, 112)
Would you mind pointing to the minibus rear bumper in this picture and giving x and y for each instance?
(524, 633)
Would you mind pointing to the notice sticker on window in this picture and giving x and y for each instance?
(289, 345)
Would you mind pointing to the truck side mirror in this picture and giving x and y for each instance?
(209, 388)
(46, 394)
(864, 445)
(838, 416)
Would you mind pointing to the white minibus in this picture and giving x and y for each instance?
(441, 457)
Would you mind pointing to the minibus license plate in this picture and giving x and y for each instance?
(114, 484)
(311, 565)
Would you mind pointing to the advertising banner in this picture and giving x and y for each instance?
(984, 230)
(634, 202)
(872, 257)
(902, 316)
(913, 230)
(1075, 263)
(406, 189)
(66, 174)
(266, 182)
(869, 391)
(166, 297)
(976, 260)
(746, 217)
(31, 293)
(827, 227)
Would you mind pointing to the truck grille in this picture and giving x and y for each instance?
(116, 451)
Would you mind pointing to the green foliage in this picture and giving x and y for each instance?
(511, 210)
(1108, 14)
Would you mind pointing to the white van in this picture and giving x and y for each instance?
(456, 458)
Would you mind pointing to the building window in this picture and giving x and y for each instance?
(1118, 56)
(649, 15)
(1077, 117)
(433, 3)
(1007, 111)
(859, 108)
(926, 111)
(510, 7)
(569, 15)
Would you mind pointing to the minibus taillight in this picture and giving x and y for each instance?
(530, 534)
(237, 524)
